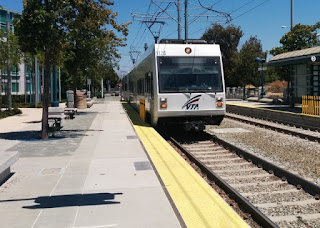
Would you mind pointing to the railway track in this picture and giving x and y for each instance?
(306, 122)
(291, 130)
(271, 195)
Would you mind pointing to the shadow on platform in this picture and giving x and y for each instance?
(69, 200)
(36, 135)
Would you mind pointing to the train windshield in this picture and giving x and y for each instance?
(189, 74)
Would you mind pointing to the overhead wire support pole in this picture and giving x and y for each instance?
(186, 19)
(179, 19)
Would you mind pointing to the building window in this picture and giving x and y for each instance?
(28, 87)
(15, 87)
(3, 89)
(315, 80)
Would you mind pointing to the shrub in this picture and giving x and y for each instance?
(27, 105)
(6, 113)
(277, 86)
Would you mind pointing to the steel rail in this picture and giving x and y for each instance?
(273, 118)
(293, 179)
(244, 204)
(274, 128)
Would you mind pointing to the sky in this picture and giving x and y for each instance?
(262, 18)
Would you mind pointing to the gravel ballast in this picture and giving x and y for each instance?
(297, 155)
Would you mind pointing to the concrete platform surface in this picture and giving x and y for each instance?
(94, 173)
(266, 103)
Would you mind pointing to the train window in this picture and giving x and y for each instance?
(194, 74)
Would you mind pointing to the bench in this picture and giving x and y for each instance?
(57, 121)
(89, 102)
(70, 112)
(55, 116)
(7, 158)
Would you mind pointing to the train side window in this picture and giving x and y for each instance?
(147, 81)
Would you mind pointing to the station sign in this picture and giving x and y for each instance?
(262, 68)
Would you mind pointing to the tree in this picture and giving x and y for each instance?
(92, 48)
(228, 38)
(298, 38)
(10, 55)
(53, 28)
(246, 70)
(41, 29)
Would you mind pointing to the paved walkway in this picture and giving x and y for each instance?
(11, 126)
(94, 173)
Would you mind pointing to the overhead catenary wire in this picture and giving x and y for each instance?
(244, 5)
(155, 13)
(228, 17)
(138, 33)
(158, 12)
(250, 10)
(164, 8)
(204, 12)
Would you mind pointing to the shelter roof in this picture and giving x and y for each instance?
(295, 57)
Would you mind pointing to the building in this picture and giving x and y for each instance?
(21, 75)
(304, 71)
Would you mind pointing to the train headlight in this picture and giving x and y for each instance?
(163, 103)
(188, 50)
(219, 102)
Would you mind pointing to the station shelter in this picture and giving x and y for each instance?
(304, 68)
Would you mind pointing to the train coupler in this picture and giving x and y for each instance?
(196, 126)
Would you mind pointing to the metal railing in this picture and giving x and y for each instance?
(237, 92)
(311, 105)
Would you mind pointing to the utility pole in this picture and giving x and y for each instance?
(291, 14)
(179, 19)
(186, 19)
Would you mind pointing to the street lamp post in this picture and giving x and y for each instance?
(259, 60)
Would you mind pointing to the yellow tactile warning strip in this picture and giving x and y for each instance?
(198, 204)
(252, 106)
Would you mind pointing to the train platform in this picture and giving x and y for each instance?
(266, 103)
(276, 112)
(105, 168)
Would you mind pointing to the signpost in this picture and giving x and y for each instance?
(89, 85)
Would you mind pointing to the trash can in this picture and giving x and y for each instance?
(70, 99)
(81, 100)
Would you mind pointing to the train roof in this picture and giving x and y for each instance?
(214, 49)
(178, 41)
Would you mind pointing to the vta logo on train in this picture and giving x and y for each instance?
(190, 104)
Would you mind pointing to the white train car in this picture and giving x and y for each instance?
(181, 83)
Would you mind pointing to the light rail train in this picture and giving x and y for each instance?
(179, 82)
